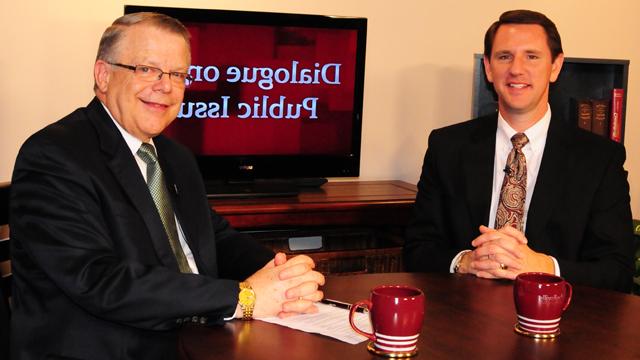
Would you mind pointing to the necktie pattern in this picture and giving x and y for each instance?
(160, 195)
(514, 186)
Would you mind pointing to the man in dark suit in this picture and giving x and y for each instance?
(104, 267)
(556, 197)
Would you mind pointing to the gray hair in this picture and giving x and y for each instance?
(113, 34)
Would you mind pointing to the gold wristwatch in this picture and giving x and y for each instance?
(247, 300)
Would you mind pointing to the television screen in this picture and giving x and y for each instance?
(274, 95)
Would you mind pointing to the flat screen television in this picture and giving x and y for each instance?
(276, 96)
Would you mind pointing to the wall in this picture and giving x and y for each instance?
(418, 69)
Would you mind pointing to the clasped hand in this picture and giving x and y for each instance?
(286, 287)
(503, 253)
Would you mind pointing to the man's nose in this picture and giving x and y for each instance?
(517, 65)
(164, 83)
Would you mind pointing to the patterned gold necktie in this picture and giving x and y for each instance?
(514, 186)
(160, 195)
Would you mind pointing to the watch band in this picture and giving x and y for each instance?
(246, 299)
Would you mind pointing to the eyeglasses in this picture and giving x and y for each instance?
(150, 73)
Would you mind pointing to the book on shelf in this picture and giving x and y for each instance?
(583, 112)
(603, 117)
(615, 128)
(600, 117)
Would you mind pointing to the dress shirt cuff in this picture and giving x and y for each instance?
(456, 259)
(233, 316)
(556, 267)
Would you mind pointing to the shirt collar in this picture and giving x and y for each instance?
(537, 134)
(132, 142)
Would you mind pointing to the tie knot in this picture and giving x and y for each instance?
(147, 153)
(519, 140)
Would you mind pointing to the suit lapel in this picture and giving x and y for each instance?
(550, 180)
(126, 172)
(477, 167)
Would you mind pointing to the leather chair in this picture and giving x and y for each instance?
(5, 272)
(636, 277)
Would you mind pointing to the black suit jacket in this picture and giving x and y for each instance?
(94, 275)
(579, 212)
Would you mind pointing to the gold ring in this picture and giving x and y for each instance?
(503, 266)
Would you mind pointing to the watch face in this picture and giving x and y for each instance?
(247, 296)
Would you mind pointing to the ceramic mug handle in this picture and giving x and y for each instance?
(367, 305)
(570, 293)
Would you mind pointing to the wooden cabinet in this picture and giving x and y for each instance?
(359, 225)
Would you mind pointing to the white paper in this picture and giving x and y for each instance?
(329, 321)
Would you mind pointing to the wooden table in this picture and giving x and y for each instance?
(466, 318)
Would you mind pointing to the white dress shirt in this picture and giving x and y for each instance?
(533, 151)
(537, 135)
(134, 144)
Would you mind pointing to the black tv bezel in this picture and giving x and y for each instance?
(244, 167)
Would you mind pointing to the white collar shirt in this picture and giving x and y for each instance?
(533, 150)
(134, 144)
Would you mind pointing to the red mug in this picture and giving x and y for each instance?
(540, 300)
(396, 313)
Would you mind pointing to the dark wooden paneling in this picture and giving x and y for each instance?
(378, 210)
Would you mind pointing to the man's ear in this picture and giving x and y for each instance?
(101, 75)
(556, 66)
(487, 69)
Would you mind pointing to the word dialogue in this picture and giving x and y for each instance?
(265, 76)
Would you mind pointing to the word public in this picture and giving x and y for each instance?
(261, 108)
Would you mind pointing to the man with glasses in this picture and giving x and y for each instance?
(115, 246)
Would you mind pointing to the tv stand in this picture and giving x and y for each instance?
(346, 227)
(260, 188)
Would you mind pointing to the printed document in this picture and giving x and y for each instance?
(329, 321)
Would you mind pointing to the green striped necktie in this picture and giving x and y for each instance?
(160, 195)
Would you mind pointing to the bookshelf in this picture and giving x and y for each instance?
(580, 78)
